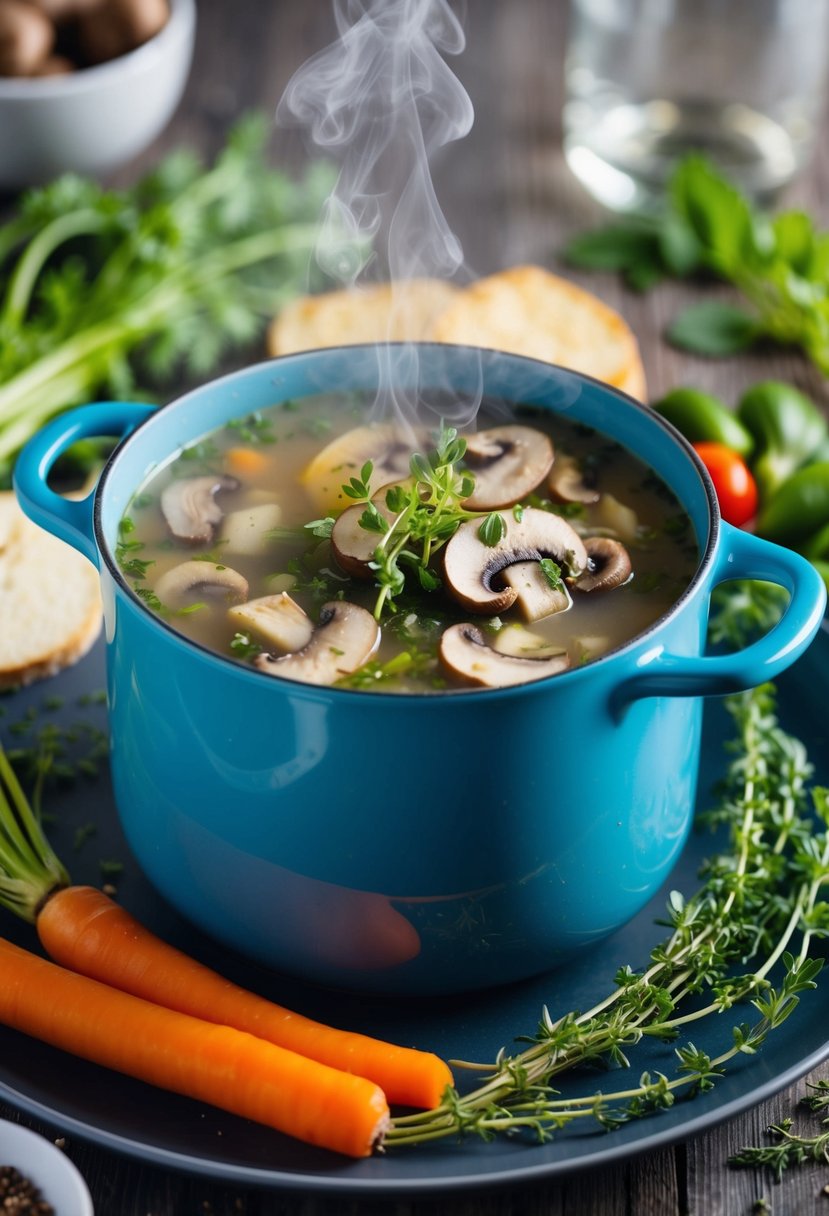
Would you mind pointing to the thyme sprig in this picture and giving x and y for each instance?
(788, 1148)
(759, 907)
(425, 511)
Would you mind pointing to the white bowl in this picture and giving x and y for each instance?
(43, 1163)
(97, 118)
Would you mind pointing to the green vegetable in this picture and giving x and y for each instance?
(779, 264)
(702, 418)
(787, 429)
(799, 508)
(165, 276)
(759, 911)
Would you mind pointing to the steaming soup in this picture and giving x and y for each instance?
(306, 543)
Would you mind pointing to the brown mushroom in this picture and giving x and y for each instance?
(342, 642)
(201, 578)
(535, 595)
(119, 26)
(467, 658)
(26, 39)
(352, 545)
(608, 565)
(508, 462)
(471, 566)
(189, 506)
(567, 483)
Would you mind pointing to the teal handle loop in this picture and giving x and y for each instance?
(741, 556)
(70, 519)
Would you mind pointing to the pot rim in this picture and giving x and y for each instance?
(569, 676)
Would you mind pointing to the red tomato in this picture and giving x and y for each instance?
(735, 486)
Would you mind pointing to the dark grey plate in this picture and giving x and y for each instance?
(130, 1117)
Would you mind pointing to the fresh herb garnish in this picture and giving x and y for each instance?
(758, 913)
(779, 264)
(180, 268)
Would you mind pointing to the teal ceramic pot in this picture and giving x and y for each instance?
(414, 844)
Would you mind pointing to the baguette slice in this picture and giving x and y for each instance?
(528, 311)
(377, 313)
(50, 600)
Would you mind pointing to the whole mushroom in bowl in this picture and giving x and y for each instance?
(87, 84)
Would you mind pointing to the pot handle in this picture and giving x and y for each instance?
(70, 519)
(741, 556)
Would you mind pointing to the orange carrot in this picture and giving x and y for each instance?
(245, 460)
(215, 1064)
(83, 929)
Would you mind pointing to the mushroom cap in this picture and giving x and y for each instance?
(342, 642)
(508, 462)
(352, 545)
(174, 584)
(189, 506)
(470, 566)
(388, 447)
(566, 483)
(465, 655)
(608, 565)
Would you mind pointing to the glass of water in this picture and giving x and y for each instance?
(741, 81)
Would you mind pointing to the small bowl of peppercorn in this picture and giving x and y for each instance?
(85, 85)
(36, 1178)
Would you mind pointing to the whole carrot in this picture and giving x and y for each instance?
(215, 1064)
(87, 932)
(83, 929)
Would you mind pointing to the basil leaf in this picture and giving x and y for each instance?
(713, 328)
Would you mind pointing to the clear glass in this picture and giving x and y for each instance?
(650, 80)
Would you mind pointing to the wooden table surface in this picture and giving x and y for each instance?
(509, 197)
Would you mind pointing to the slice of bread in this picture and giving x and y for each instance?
(524, 310)
(50, 600)
(528, 311)
(377, 313)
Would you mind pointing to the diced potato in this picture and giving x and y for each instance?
(276, 620)
(246, 531)
(621, 520)
(522, 643)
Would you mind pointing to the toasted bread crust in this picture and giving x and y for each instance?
(50, 600)
(523, 310)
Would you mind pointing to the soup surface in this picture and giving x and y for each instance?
(314, 546)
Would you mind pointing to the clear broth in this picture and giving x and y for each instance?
(289, 435)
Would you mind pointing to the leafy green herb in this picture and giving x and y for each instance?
(552, 572)
(758, 913)
(254, 428)
(243, 646)
(426, 515)
(779, 264)
(100, 285)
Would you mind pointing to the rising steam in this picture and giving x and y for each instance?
(383, 100)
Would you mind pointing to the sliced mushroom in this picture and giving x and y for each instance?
(388, 447)
(190, 508)
(352, 545)
(522, 643)
(202, 578)
(342, 642)
(470, 566)
(535, 595)
(567, 483)
(508, 462)
(608, 565)
(276, 619)
(466, 657)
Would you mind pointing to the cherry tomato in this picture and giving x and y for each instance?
(735, 486)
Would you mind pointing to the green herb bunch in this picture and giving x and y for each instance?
(780, 264)
(426, 513)
(165, 276)
(754, 920)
